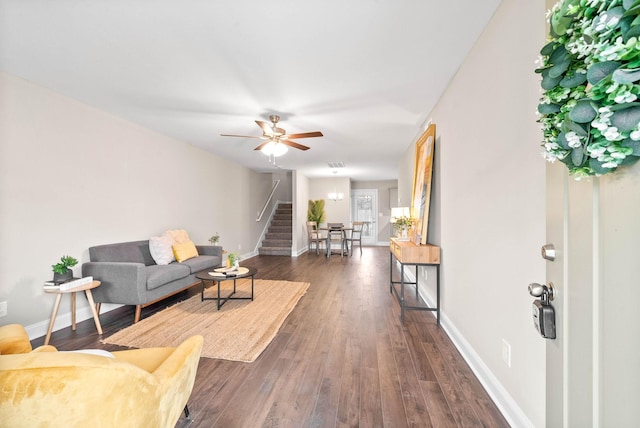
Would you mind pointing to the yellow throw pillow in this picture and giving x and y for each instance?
(185, 251)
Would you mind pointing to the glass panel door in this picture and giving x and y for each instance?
(364, 207)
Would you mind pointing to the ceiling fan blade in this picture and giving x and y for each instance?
(243, 136)
(262, 145)
(305, 135)
(294, 144)
(266, 127)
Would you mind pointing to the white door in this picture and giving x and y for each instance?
(593, 365)
(364, 207)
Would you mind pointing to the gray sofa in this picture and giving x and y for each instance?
(130, 276)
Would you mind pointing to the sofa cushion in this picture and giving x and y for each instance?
(160, 249)
(177, 236)
(199, 263)
(184, 251)
(127, 252)
(157, 276)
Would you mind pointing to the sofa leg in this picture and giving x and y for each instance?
(138, 311)
(186, 411)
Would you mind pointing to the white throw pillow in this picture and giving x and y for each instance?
(160, 249)
(177, 236)
(99, 352)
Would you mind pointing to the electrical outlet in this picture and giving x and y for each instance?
(506, 353)
(3, 309)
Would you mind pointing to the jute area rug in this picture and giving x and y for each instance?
(239, 331)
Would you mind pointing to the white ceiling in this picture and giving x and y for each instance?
(364, 72)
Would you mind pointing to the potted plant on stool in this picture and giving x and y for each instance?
(61, 271)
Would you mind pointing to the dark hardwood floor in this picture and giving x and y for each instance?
(342, 357)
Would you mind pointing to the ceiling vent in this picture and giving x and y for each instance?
(336, 164)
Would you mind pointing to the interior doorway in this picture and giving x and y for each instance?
(364, 207)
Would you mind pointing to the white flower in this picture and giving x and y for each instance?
(618, 155)
(596, 152)
(605, 111)
(601, 125)
(609, 165)
(625, 97)
(573, 139)
(635, 135)
(612, 134)
(549, 157)
(612, 87)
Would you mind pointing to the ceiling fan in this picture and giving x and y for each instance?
(277, 138)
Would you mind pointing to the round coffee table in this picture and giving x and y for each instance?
(221, 274)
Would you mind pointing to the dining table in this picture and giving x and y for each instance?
(344, 245)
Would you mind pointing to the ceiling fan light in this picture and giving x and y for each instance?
(273, 148)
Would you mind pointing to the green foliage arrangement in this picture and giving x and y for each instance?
(316, 211)
(590, 70)
(403, 222)
(64, 264)
(233, 257)
(215, 239)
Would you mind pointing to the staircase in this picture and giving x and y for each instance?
(277, 241)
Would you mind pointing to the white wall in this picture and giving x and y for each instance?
(489, 208)
(300, 205)
(337, 211)
(72, 176)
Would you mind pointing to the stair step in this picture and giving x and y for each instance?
(270, 251)
(279, 243)
(285, 223)
(278, 236)
(280, 229)
(282, 218)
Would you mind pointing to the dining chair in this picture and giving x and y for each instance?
(355, 236)
(314, 236)
(335, 234)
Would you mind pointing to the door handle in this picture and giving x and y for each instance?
(546, 293)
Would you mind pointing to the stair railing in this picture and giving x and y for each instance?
(266, 204)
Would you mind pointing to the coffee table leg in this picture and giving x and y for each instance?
(54, 313)
(252, 288)
(219, 283)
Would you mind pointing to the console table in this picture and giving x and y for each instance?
(408, 253)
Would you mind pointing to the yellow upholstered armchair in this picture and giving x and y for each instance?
(15, 340)
(137, 388)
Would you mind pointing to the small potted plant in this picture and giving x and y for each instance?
(215, 239)
(402, 226)
(233, 260)
(62, 271)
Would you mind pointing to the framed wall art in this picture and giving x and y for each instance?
(423, 175)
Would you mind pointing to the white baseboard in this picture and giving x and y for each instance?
(63, 320)
(507, 405)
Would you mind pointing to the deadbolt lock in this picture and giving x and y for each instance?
(548, 252)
